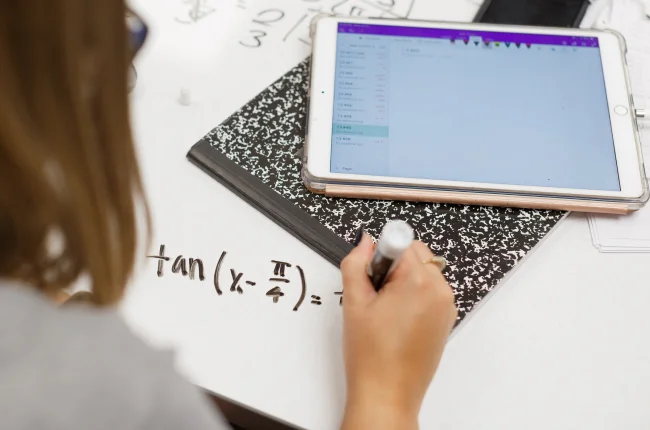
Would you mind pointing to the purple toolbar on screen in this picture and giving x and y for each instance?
(468, 36)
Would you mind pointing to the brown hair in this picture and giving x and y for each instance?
(70, 189)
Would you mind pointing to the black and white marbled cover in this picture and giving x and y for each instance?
(482, 244)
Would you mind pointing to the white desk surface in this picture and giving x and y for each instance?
(563, 343)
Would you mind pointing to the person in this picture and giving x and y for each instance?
(72, 207)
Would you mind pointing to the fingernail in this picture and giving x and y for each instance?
(358, 237)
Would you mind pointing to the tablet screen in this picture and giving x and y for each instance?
(472, 106)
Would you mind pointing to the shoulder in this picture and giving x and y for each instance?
(81, 366)
(75, 339)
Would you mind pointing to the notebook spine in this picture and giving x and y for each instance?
(266, 200)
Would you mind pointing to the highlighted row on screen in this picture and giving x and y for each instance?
(360, 130)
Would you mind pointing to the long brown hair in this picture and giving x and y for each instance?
(70, 189)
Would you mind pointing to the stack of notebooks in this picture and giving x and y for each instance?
(257, 154)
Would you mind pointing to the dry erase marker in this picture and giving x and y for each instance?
(395, 238)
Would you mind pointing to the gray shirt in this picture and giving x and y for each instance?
(79, 368)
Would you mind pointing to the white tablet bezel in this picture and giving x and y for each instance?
(321, 105)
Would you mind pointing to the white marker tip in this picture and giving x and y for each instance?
(395, 238)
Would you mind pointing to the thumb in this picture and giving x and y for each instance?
(356, 283)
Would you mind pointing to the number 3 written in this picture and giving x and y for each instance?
(257, 36)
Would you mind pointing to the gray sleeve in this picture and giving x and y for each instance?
(85, 369)
(180, 405)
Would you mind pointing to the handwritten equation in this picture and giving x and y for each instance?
(275, 24)
(194, 11)
(238, 283)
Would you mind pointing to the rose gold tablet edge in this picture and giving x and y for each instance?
(434, 196)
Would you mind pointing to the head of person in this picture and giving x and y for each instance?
(71, 197)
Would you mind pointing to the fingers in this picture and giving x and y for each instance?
(408, 267)
(442, 291)
(421, 250)
(356, 283)
(413, 271)
(424, 254)
(411, 276)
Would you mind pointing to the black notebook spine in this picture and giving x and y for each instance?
(266, 200)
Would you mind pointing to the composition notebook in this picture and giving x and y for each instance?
(257, 153)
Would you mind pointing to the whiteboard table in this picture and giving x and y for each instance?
(562, 344)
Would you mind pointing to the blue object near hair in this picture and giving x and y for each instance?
(137, 30)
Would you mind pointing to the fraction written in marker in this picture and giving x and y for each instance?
(270, 25)
(283, 273)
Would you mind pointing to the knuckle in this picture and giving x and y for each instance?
(418, 279)
(422, 248)
(454, 312)
(447, 295)
(432, 279)
(440, 291)
(347, 263)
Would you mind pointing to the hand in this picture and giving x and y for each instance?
(392, 339)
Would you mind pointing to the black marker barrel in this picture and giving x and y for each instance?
(395, 238)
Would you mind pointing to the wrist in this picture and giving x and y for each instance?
(379, 410)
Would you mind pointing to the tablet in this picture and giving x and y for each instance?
(472, 113)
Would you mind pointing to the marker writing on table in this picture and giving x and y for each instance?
(395, 238)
